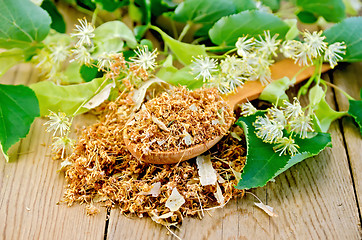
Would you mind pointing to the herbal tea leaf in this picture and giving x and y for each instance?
(355, 110)
(10, 58)
(228, 29)
(58, 23)
(23, 24)
(263, 164)
(203, 11)
(331, 10)
(324, 114)
(110, 37)
(183, 51)
(18, 109)
(348, 31)
(66, 99)
(274, 92)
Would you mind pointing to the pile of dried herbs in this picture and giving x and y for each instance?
(101, 169)
(179, 119)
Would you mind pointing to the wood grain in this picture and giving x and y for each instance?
(349, 79)
(30, 187)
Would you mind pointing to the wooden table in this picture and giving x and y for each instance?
(317, 199)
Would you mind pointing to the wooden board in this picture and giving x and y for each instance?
(30, 187)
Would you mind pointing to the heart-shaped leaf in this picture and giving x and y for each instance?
(263, 163)
(228, 29)
(58, 23)
(348, 31)
(23, 24)
(110, 37)
(18, 109)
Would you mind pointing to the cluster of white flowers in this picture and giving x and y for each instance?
(60, 124)
(271, 128)
(252, 63)
(255, 56)
(313, 47)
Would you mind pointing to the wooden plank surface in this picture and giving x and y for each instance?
(350, 80)
(30, 187)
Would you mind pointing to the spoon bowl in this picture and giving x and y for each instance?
(250, 91)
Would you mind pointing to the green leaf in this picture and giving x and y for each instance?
(72, 74)
(274, 92)
(110, 37)
(244, 5)
(228, 29)
(58, 23)
(331, 10)
(90, 73)
(183, 51)
(23, 24)
(203, 11)
(177, 77)
(18, 109)
(355, 110)
(307, 17)
(274, 5)
(145, 6)
(350, 32)
(323, 112)
(263, 164)
(66, 98)
(10, 58)
(111, 5)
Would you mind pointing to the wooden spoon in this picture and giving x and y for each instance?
(250, 91)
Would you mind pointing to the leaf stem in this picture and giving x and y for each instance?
(220, 48)
(184, 31)
(349, 97)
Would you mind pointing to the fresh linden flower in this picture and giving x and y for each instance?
(104, 60)
(247, 109)
(62, 143)
(267, 129)
(232, 65)
(82, 56)
(145, 59)
(58, 122)
(286, 145)
(333, 51)
(59, 53)
(291, 48)
(315, 43)
(244, 46)
(84, 33)
(301, 125)
(292, 111)
(277, 115)
(260, 68)
(204, 67)
(220, 83)
(304, 57)
(268, 45)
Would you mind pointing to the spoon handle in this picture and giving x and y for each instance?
(285, 68)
